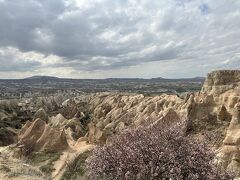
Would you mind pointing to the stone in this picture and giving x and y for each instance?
(41, 113)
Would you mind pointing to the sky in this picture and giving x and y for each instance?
(118, 38)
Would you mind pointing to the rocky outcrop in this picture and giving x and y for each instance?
(222, 81)
(74, 126)
(224, 87)
(11, 118)
(215, 103)
(113, 113)
(223, 114)
(39, 136)
(229, 153)
(49, 104)
(57, 121)
(222, 78)
(41, 114)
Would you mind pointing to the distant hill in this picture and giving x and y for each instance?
(200, 78)
(194, 79)
(41, 78)
(46, 85)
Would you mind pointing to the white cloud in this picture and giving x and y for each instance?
(110, 37)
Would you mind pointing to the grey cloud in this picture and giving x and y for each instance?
(8, 63)
(105, 35)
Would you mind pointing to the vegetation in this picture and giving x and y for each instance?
(155, 152)
(76, 168)
(46, 159)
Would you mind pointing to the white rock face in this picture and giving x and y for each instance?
(224, 88)
(113, 113)
(221, 81)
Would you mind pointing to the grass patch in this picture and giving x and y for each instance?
(46, 159)
(47, 168)
(76, 168)
(25, 172)
(40, 157)
(14, 174)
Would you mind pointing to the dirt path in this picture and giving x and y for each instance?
(68, 156)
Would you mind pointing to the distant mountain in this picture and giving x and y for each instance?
(194, 79)
(200, 78)
(41, 78)
(158, 79)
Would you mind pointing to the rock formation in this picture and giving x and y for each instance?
(214, 109)
(221, 81)
(41, 114)
(97, 117)
(112, 113)
(57, 121)
(223, 114)
(74, 125)
(224, 87)
(39, 136)
(229, 153)
(11, 118)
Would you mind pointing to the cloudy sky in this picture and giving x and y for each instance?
(118, 38)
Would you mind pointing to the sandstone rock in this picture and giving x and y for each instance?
(169, 118)
(68, 102)
(41, 113)
(50, 103)
(95, 135)
(76, 127)
(229, 154)
(221, 81)
(223, 114)
(57, 121)
(120, 127)
(222, 77)
(38, 136)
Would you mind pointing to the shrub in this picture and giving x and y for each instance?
(155, 152)
(76, 168)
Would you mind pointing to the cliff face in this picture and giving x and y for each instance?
(224, 88)
(222, 77)
(221, 81)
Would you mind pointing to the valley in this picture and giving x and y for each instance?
(50, 136)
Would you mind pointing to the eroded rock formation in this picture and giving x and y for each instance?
(229, 153)
(97, 117)
(11, 118)
(112, 113)
(221, 81)
(41, 114)
(39, 136)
